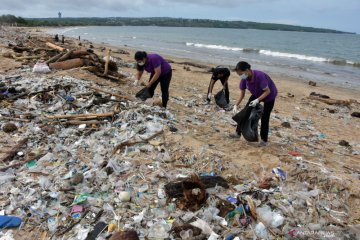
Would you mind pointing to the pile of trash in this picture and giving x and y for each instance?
(51, 55)
(82, 161)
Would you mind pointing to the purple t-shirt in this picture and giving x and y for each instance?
(258, 83)
(154, 61)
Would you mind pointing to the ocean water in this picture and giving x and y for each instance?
(325, 57)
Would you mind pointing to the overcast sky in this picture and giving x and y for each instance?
(334, 14)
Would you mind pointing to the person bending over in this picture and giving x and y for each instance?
(160, 72)
(262, 89)
(222, 74)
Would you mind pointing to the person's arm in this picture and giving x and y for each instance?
(241, 97)
(264, 94)
(210, 89)
(139, 74)
(155, 77)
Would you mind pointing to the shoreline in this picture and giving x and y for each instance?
(273, 72)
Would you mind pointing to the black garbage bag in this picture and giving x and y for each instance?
(143, 94)
(220, 99)
(248, 118)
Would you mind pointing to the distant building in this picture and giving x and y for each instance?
(59, 13)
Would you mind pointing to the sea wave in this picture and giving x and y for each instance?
(211, 46)
(276, 54)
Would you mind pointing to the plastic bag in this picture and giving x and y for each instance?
(249, 118)
(41, 67)
(143, 94)
(220, 99)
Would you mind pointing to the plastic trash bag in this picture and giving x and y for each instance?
(41, 67)
(220, 99)
(143, 94)
(249, 118)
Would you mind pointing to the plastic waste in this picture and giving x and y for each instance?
(261, 231)
(186, 235)
(269, 217)
(9, 222)
(159, 230)
(52, 224)
(41, 67)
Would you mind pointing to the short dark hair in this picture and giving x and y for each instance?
(140, 55)
(242, 66)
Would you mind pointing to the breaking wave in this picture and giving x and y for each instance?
(275, 54)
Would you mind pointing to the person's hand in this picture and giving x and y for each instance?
(136, 82)
(209, 97)
(235, 109)
(254, 103)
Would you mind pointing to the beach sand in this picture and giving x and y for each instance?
(314, 132)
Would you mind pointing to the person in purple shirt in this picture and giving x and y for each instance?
(262, 89)
(160, 72)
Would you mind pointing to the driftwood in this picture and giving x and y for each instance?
(15, 119)
(55, 58)
(108, 114)
(20, 49)
(131, 143)
(330, 101)
(56, 47)
(13, 150)
(78, 122)
(68, 64)
(15, 165)
(26, 57)
(79, 53)
(113, 94)
(195, 65)
(66, 56)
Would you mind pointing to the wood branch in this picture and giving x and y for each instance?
(195, 65)
(107, 62)
(113, 94)
(56, 47)
(330, 101)
(20, 49)
(108, 114)
(66, 56)
(131, 143)
(68, 64)
(15, 119)
(53, 59)
(26, 57)
(79, 53)
(13, 150)
(43, 49)
(78, 122)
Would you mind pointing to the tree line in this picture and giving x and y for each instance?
(157, 21)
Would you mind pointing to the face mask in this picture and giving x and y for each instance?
(244, 76)
(141, 64)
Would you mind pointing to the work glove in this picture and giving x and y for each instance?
(235, 109)
(136, 82)
(254, 103)
(209, 97)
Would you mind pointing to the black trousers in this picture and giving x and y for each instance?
(164, 81)
(265, 118)
(226, 87)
